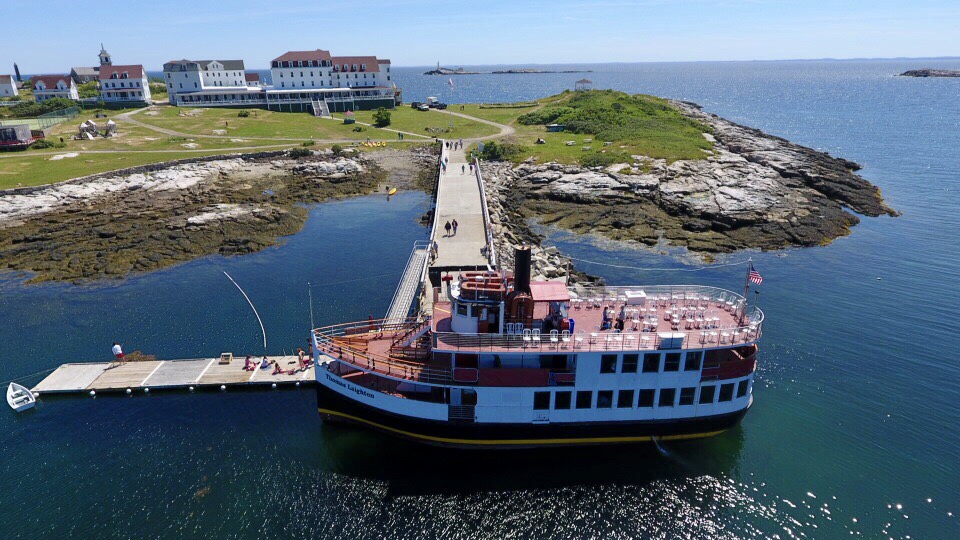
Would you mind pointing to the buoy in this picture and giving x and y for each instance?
(298, 383)
(191, 389)
(129, 391)
(274, 385)
(93, 392)
(223, 387)
(146, 390)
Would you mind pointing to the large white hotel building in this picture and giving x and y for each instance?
(307, 81)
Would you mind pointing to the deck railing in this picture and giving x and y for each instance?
(341, 342)
(487, 224)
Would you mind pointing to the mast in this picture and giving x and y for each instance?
(746, 289)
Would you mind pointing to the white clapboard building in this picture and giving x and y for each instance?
(123, 83)
(54, 86)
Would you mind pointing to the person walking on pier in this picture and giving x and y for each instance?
(463, 169)
(455, 225)
(118, 353)
(447, 228)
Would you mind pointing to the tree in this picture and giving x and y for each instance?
(381, 117)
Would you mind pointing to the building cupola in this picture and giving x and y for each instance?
(104, 57)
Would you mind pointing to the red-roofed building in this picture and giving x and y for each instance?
(123, 83)
(252, 79)
(315, 80)
(54, 86)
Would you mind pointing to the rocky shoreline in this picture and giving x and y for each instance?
(931, 73)
(754, 191)
(152, 217)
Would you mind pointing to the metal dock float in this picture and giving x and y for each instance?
(169, 374)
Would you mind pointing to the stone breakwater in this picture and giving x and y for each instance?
(142, 219)
(754, 190)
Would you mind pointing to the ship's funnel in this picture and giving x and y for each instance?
(521, 269)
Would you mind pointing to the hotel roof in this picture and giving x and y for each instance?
(251, 77)
(294, 56)
(50, 81)
(132, 71)
(373, 65)
(229, 65)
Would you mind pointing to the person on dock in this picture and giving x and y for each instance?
(249, 364)
(463, 169)
(118, 354)
(455, 225)
(447, 228)
(277, 370)
(264, 364)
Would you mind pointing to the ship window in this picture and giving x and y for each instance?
(608, 363)
(693, 361)
(630, 363)
(672, 362)
(651, 362)
(687, 394)
(726, 392)
(667, 397)
(604, 399)
(707, 394)
(541, 401)
(742, 387)
(584, 399)
(461, 309)
(561, 400)
(646, 398)
(625, 399)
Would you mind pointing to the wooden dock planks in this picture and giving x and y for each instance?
(100, 376)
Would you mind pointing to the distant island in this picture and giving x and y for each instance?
(460, 71)
(931, 73)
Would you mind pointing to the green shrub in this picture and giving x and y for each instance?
(381, 117)
(497, 151)
(88, 90)
(601, 159)
(298, 153)
(311, 142)
(28, 109)
(243, 114)
(47, 143)
(336, 149)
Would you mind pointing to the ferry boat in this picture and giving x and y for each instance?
(506, 362)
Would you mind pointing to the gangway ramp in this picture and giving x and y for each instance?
(413, 276)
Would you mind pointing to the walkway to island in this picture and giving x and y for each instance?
(459, 198)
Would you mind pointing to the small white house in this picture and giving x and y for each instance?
(8, 86)
(123, 83)
(54, 86)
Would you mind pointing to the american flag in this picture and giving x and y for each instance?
(754, 276)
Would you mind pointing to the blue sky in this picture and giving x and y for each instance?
(57, 34)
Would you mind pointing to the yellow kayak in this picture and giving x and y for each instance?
(392, 191)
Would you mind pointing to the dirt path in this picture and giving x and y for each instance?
(505, 130)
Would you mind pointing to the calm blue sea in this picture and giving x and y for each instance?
(853, 434)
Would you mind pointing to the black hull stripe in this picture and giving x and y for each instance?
(334, 407)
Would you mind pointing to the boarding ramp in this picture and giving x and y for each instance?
(413, 276)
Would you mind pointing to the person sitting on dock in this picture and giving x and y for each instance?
(264, 364)
(277, 370)
(249, 364)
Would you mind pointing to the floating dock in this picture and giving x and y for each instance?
(169, 374)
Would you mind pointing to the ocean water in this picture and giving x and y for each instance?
(853, 432)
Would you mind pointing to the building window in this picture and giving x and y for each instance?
(651, 363)
(630, 362)
(742, 387)
(561, 400)
(667, 397)
(604, 399)
(693, 361)
(625, 399)
(584, 399)
(726, 392)
(707, 394)
(687, 395)
(608, 363)
(541, 401)
(671, 362)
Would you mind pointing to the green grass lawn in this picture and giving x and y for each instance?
(414, 121)
(32, 169)
(260, 123)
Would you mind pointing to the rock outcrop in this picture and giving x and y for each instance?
(754, 191)
(931, 73)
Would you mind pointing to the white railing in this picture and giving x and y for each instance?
(487, 225)
(444, 152)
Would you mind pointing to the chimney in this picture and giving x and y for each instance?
(521, 269)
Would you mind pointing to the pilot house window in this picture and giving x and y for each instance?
(541, 401)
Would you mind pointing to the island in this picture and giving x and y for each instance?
(927, 72)
(526, 71)
(450, 71)
(460, 71)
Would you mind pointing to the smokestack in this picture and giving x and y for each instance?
(521, 269)
(16, 70)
